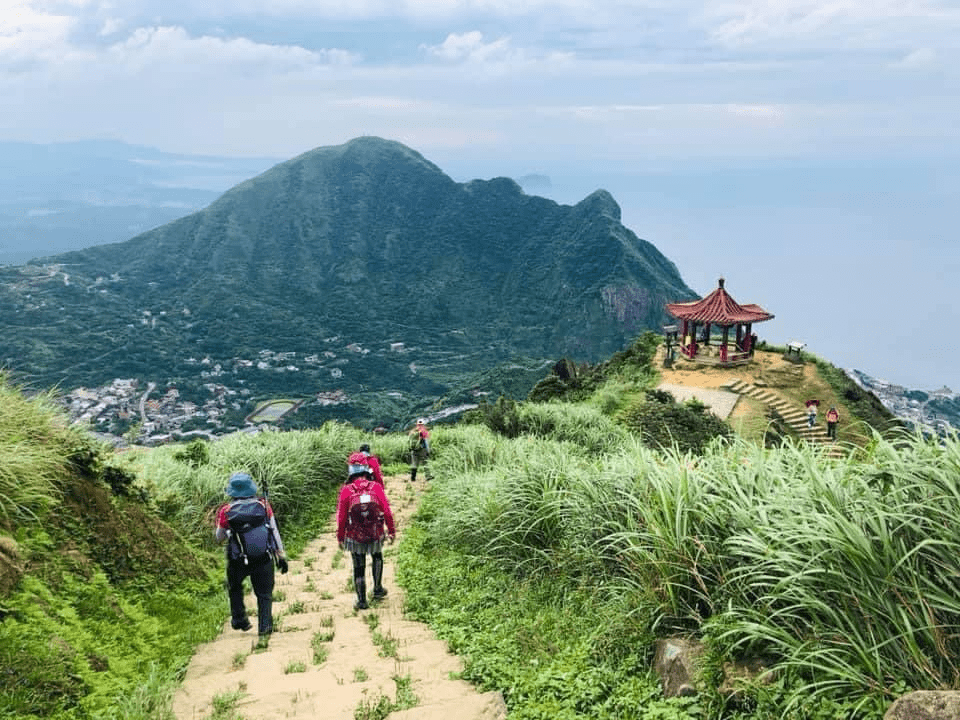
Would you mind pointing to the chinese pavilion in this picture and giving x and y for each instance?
(720, 310)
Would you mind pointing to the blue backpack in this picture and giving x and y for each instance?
(250, 537)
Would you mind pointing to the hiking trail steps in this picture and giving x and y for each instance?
(793, 416)
(314, 600)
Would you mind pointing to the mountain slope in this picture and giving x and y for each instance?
(63, 196)
(365, 244)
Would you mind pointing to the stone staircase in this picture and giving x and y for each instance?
(795, 417)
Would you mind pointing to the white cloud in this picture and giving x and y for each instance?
(172, 46)
(762, 114)
(470, 46)
(28, 35)
(485, 69)
(111, 26)
(429, 9)
(922, 57)
(841, 21)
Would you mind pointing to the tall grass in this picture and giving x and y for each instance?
(35, 447)
(581, 424)
(843, 572)
(299, 470)
(850, 586)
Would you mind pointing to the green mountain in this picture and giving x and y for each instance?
(359, 271)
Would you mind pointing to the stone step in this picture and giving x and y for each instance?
(796, 418)
(785, 408)
(736, 385)
(793, 416)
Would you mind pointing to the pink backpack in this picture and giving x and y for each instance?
(364, 514)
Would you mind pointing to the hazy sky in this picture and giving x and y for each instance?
(805, 150)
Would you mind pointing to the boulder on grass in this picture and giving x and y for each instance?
(926, 705)
(676, 663)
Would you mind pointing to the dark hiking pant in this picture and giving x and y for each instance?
(261, 577)
(360, 570)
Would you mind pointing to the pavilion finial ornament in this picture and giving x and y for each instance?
(720, 281)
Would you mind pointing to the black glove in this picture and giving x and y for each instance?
(282, 565)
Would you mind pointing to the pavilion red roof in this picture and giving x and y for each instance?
(718, 308)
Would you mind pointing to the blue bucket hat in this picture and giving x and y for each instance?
(241, 485)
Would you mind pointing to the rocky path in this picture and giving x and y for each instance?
(327, 660)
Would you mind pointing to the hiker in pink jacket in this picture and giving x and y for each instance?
(374, 462)
(362, 512)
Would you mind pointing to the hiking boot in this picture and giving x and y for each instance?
(243, 625)
(361, 585)
(379, 593)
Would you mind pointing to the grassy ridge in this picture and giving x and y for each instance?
(553, 547)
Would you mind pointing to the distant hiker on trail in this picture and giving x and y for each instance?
(812, 412)
(833, 417)
(248, 526)
(362, 511)
(419, 447)
(374, 462)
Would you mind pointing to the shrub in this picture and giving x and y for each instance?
(688, 426)
(501, 416)
(572, 382)
(195, 453)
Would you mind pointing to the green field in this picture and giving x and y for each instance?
(273, 410)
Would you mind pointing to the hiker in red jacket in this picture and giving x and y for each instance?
(362, 511)
(374, 462)
(248, 526)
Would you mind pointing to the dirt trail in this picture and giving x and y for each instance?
(284, 681)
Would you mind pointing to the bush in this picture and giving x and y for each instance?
(572, 382)
(582, 425)
(501, 416)
(689, 427)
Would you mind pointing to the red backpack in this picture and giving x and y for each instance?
(364, 514)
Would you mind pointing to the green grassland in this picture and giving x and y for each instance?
(558, 540)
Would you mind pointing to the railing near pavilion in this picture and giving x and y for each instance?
(694, 351)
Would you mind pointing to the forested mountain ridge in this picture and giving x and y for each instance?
(368, 246)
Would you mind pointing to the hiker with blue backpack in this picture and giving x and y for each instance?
(248, 526)
(362, 512)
